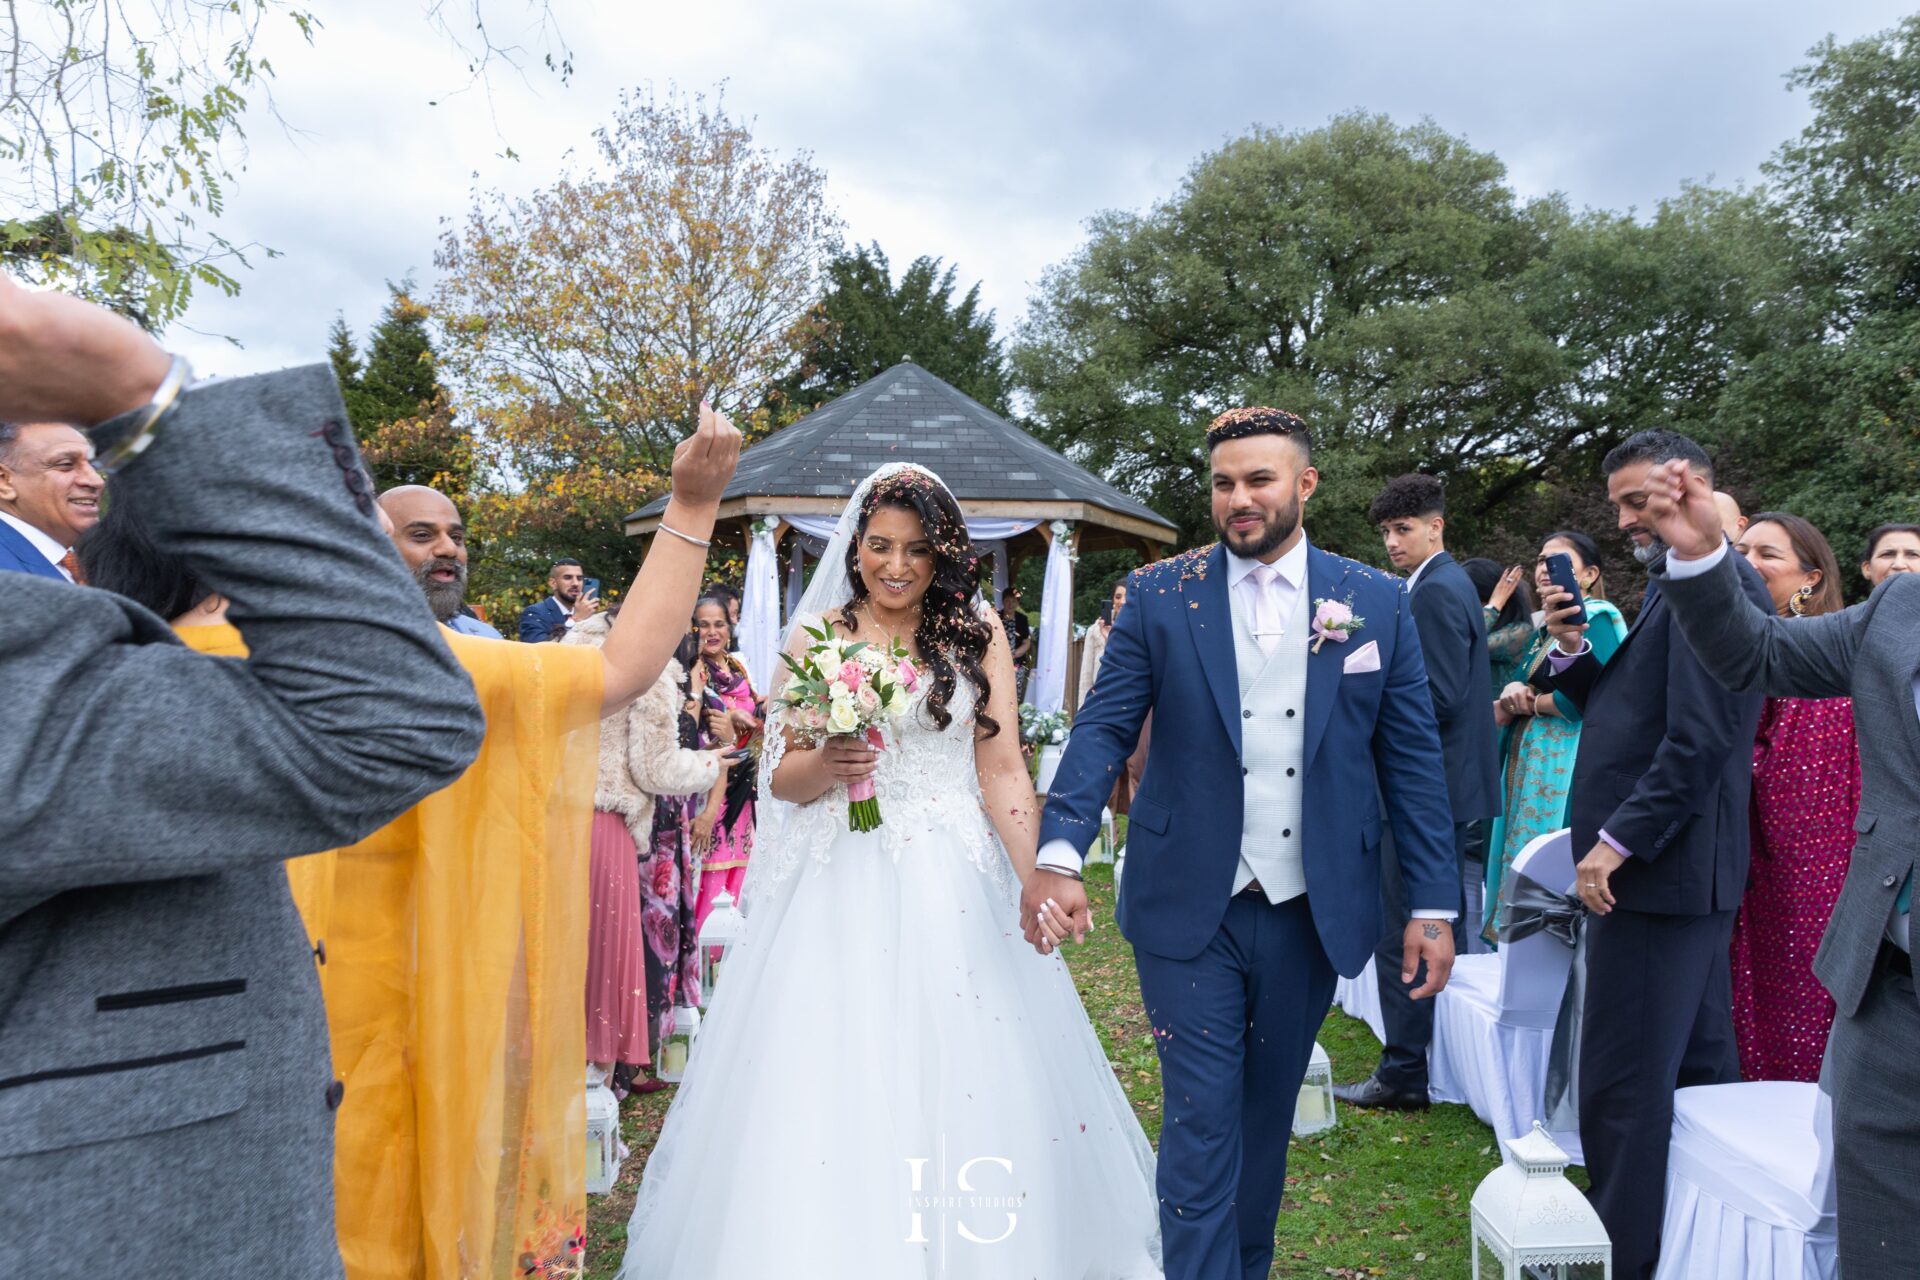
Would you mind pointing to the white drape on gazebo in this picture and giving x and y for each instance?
(761, 612)
(1048, 692)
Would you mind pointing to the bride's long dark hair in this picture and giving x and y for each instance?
(951, 636)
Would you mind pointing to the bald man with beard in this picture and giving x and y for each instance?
(451, 943)
(432, 539)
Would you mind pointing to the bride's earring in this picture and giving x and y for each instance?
(1797, 604)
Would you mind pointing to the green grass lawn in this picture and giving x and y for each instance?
(1382, 1194)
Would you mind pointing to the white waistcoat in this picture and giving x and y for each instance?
(1273, 737)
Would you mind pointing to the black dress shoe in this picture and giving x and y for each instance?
(1373, 1094)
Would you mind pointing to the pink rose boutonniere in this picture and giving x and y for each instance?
(1334, 620)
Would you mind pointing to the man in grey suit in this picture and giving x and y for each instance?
(1869, 653)
(166, 1098)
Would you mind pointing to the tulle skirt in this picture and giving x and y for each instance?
(890, 1083)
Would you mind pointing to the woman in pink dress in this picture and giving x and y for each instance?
(640, 758)
(1806, 791)
(722, 832)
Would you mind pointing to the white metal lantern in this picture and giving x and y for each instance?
(603, 1134)
(724, 927)
(1313, 1110)
(1530, 1223)
(677, 1045)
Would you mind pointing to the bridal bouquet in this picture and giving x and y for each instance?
(849, 688)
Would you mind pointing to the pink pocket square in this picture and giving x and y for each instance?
(1365, 658)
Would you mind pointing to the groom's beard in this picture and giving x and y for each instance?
(1274, 532)
(1651, 552)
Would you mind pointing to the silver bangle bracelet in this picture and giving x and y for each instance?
(143, 433)
(702, 543)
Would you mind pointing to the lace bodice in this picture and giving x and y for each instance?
(926, 781)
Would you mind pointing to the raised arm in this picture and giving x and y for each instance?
(1741, 645)
(126, 757)
(661, 598)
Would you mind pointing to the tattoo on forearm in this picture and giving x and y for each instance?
(1432, 929)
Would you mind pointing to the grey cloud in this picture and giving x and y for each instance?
(988, 133)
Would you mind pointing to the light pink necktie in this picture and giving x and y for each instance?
(1266, 607)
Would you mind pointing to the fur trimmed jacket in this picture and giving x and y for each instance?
(640, 752)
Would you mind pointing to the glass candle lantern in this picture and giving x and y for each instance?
(1530, 1223)
(1313, 1110)
(677, 1045)
(603, 1134)
(724, 927)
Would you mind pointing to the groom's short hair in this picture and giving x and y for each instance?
(1259, 420)
(1408, 497)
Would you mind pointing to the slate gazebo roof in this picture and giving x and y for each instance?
(908, 415)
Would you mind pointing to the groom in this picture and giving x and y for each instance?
(1288, 696)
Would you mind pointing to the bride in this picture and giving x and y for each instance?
(890, 1082)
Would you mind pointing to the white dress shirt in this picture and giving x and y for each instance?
(45, 545)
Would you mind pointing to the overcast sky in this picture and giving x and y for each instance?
(981, 132)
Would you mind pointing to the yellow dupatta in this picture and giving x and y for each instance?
(455, 960)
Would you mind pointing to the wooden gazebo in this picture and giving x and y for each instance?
(906, 414)
(999, 474)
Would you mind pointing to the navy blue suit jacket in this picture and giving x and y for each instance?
(1453, 640)
(1367, 733)
(17, 555)
(537, 621)
(1665, 764)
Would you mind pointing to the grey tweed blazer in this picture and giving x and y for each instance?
(1870, 652)
(166, 1096)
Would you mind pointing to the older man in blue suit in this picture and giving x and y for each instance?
(1288, 698)
(49, 496)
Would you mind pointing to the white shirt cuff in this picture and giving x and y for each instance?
(1429, 913)
(1058, 855)
(1676, 568)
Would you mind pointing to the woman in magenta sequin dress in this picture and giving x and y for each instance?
(1806, 791)
(722, 832)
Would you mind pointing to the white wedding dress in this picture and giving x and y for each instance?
(889, 1081)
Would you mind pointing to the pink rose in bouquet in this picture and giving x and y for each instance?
(842, 687)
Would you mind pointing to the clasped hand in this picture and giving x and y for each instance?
(1054, 908)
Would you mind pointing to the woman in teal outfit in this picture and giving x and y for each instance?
(1507, 606)
(1541, 731)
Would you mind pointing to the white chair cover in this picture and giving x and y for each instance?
(1360, 998)
(1493, 1024)
(1748, 1197)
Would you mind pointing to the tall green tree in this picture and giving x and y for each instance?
(1831, 418)
(401, 414)
(1364, 274)
(122, 128)
(870, 322)
(343, 353)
